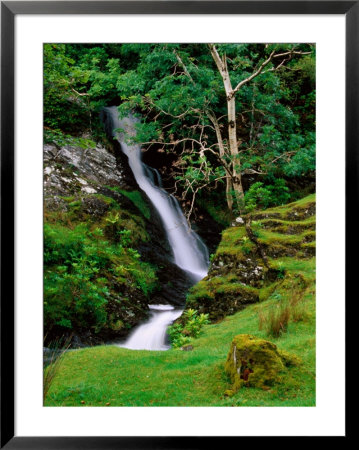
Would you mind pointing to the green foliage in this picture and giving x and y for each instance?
(260, 196)
(75, 298)
(83, 270)
(66, 105)
(190, 326)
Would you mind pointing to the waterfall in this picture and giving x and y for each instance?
(189, 251)
(151, 335)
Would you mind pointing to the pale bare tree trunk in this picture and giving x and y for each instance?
(229, 189)
(222, 152)
(233, 147)
(232, 127)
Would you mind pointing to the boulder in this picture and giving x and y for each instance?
(255, 362)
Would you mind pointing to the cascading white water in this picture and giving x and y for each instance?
(189, 252)
(152, 334)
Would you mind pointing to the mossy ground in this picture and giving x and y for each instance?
(113, 376)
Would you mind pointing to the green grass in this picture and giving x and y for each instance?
(282, 211)
(121, 377)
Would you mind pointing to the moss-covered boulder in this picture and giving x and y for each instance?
(255, 362)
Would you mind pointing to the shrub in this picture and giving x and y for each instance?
(75, 297)
(83, 271)
(278, 320)
(263, 196)
(298, 308)
(188, 327)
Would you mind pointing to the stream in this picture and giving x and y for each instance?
(189, 251)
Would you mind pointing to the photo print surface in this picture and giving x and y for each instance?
(179, 224)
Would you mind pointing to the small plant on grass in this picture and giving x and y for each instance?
(53, 363)
(298, 308)
(278, 320)
(188, 327)
(275, 321)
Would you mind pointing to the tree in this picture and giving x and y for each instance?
(184, 93)
(222, 66)
(226, 114)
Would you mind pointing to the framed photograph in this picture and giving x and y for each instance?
(175, 182)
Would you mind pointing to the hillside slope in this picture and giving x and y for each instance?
(263, 285)
(254, 258)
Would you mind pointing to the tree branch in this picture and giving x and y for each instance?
(255, 74)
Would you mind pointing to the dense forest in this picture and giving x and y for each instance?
(226, 135)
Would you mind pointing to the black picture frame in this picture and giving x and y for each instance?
(9, 10)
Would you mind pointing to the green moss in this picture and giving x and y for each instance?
(303, 267)
(239, 276)
(267, 291)
(299, 210)
(117, 220)
(309, 245)
(235, 243)
(104, 198)
(267, 237)
(137, 198)
(220, 296)
(201, 290)
(255, 362)
(288, 226)
(218, 286)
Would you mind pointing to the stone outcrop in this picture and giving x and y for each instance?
(255, 362)
(71, 169)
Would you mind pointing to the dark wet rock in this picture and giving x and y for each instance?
(207, 228)
(95, 206)
(173, 281)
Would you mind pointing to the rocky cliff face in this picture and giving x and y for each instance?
(72, 170)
